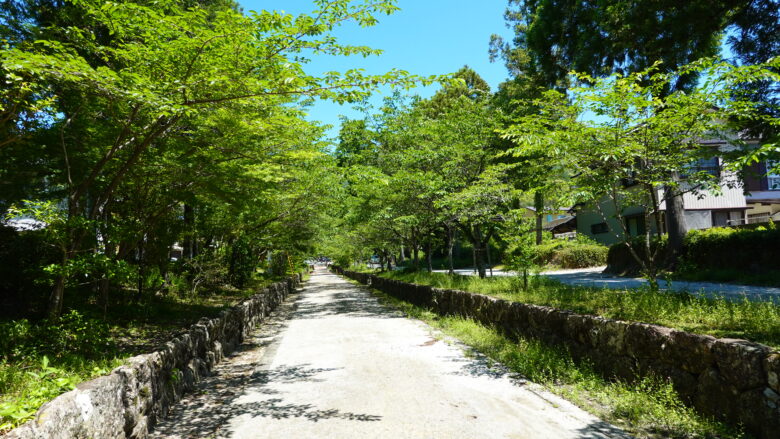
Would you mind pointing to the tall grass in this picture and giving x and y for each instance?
(648, 408)
(755, 321)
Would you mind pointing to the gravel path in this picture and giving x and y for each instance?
(593, 277)
(336, 364)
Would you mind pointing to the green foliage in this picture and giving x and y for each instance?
(620, 260)
(144, 110)
(40, 361)
(71, 334)
(604, 37)
(25, 386)
(744, 250)
(242, 263)
(579, 253)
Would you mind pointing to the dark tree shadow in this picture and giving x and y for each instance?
(216, 402)
(602, 430)
(353, 302)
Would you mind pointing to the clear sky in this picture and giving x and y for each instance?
(426, 37)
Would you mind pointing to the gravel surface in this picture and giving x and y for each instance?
(334, 363)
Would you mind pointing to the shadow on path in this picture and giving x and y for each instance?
(342, 303)
(218, 402)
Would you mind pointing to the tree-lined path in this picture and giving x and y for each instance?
(336, 363)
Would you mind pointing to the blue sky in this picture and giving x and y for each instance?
(426, 37)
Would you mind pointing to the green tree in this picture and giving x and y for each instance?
(554, 37)
(118, 87)
(638, 143)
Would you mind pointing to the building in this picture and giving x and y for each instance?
(762, 192)
(703, 208)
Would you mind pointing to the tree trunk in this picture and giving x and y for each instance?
(403, 256)
(489, 262)
(539, 207)
(188, 247)
(479, 250)
(450, 246)
(416, 256)
(104, 286)
(675, 222)
(656, 216)
(56, 297)
(141, 272)
(428, 257)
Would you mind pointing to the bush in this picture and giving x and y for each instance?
(718, 254)
(750, 251)
(72, 334)
(580, 253)
(732, 255)
(621, 261)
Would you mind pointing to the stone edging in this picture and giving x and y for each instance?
(127, 402)
(734, 380)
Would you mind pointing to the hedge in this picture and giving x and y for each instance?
(571, 254)
(748, 251)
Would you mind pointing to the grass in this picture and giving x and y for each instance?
(25, 385)
(648, 408)
(39, 361)
(766, 278)
(755, 321)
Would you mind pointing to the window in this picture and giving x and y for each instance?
(709, 166)
(599, 228)
(773, 175)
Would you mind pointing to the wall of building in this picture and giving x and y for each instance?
(698, 219)
(587, 217)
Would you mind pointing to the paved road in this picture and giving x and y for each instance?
(337, 364)
(593, 277)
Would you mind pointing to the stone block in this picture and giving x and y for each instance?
(741, 363)
(772, 367)
(610, 336)
(647, 341)
(93, 410)
(582, 329)
(691, 352)
(715, 396)
(757, 411)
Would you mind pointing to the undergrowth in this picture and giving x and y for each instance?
(41, 360)
(647, 408)
(755, 321)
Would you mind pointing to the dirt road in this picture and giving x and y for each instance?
(334, 363)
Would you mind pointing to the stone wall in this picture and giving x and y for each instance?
(734, 380)
(127, 402)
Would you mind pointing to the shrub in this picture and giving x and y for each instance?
(580, 253)
(621, 261)
(71, 334)
(732, 255)
(746, 250)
